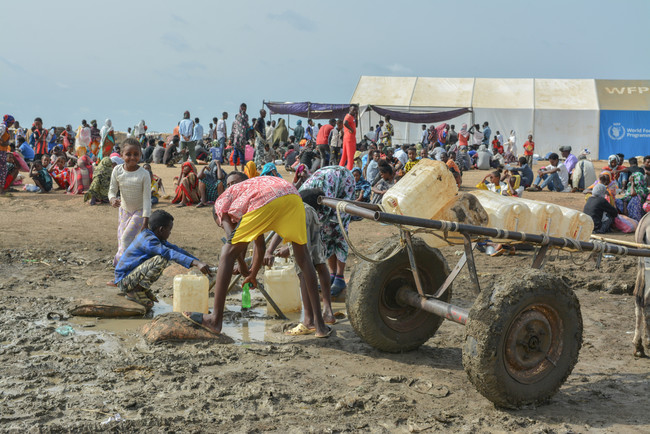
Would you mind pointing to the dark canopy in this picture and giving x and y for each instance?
(419, 118)
(309, 109)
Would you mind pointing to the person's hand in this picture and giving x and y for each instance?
(283, 252)
(250, 279)
(115, 202)
(269, 258)
(203, 267)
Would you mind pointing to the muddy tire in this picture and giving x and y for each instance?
(522, 339)
(374, 312)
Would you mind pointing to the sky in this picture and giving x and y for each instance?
(152, 60)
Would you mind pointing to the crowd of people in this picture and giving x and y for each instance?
(253, 197)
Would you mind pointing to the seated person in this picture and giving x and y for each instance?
(41, 177)
(212, 182)
(554, 176)
(156, 184)
(25, 150)
(492, 182)
(600, 210)
(59, 173)
(412, 155)
(187, 184)
(524, 171)
(147, 256)
(290, 157)
(362, 187)
(12, 172)
(452, 166)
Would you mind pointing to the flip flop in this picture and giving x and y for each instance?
(331, 322)
(202, 205)
(111, 283)
(196, 318)
(329, 333)
(151, 296)
(300, 330)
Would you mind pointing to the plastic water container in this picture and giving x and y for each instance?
(575, 224)
(504, 212)
(191, 293)
(283, 286)
(422, 192)
(546, 218)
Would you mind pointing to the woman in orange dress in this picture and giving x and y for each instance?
(187, 186)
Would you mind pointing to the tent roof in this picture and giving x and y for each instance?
(384, 91)
(565, 94)
(442, 92)
(505, 93)
(623, 94)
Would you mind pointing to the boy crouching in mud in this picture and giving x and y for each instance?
(317, 254)
(147, 257)
(246, 210)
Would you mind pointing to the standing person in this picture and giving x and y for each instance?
(477, 135)
(221, 131)
(424, 140)
(129, 133)
(452, 139)
(529, 150)
(239, 137)
(19, 132)
(336, 142)
(107, 140)
(212, 134)
(511, 148)
(134, 185)
(186, 131)
(141, 131)
(280, 134)
(95, 139)
(322, 143)
(38, 139)
(259, 129)
(270, 128)
(197, 136)
(299, 131)
(246, 210)
(309, 132)
(378, 131)
(7, 122)
(349, 138)
(487, 132)
(336, 182)
(387, 132)
(463, 137)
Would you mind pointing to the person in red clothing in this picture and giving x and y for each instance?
(322, 143)
(529, 150)
(349, 138)
(497, 146)
(39, 139)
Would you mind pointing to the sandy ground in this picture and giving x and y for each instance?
(55, 250)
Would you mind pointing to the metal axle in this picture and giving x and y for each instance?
(432, 305)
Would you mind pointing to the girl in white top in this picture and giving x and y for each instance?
(134, 186)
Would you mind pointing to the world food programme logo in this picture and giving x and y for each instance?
(616, 131)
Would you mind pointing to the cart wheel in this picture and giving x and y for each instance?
(373, 309)
(522, 339)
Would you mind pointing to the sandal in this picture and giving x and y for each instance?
(202, 205)
(139, 297)
(300, 330)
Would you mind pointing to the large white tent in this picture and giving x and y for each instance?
(556, 112)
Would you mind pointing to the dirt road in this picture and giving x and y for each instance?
(54, 250)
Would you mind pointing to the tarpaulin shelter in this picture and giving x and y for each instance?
(624, 117)
(308, 109)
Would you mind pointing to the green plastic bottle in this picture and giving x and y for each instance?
(246, 296)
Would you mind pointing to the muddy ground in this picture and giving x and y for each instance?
(55, 250)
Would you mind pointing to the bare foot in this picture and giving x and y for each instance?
(328, 316)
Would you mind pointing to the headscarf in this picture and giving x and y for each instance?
(8, 120)
(361, 185)
(101, 181)
(251, 170)
(107, 128)
(85, 161)
(268, 170)
(463, 129)
(301, 170)
(192, 169)
(440, 130)
(280, 134)
(116, 159)
(613, 157)
(638, 181)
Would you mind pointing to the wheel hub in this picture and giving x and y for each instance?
(533, 343)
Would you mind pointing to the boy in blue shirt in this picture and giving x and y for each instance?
(147, 257)
(26, 151)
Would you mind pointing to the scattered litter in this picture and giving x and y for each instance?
(428, 388)
(115, 418)
(65, 330)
